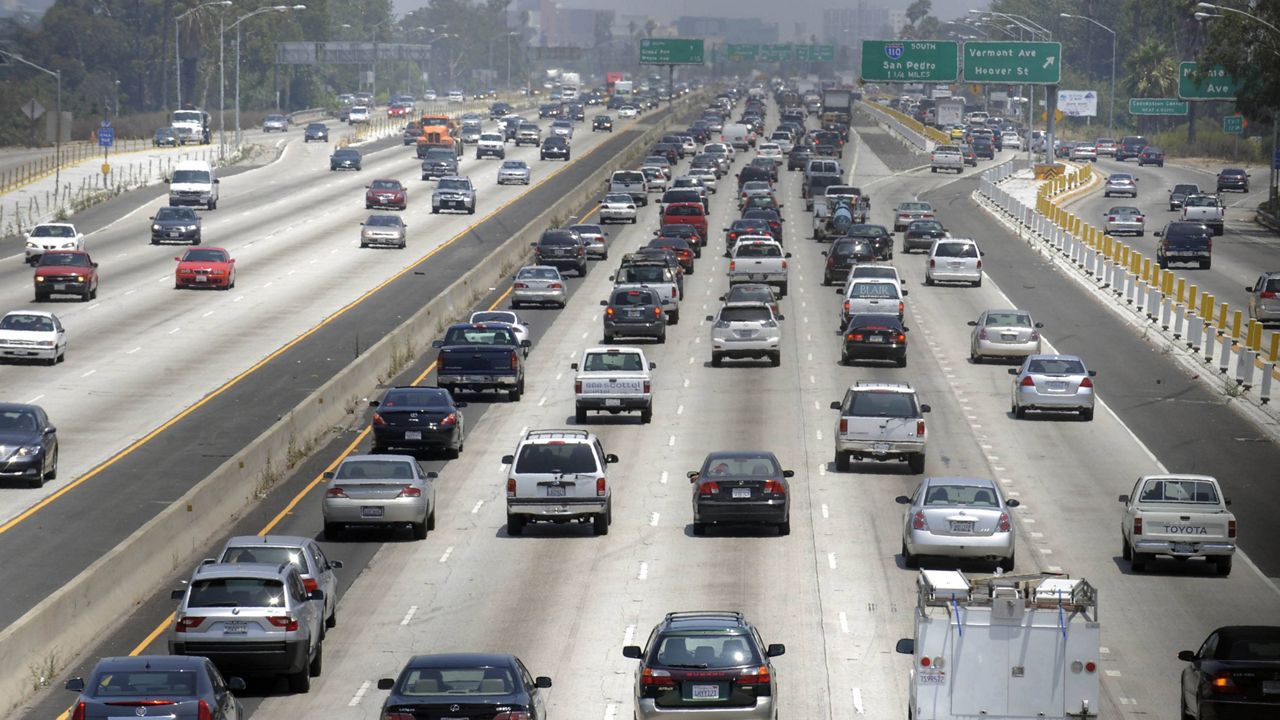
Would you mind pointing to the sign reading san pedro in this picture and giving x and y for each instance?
(909, 61)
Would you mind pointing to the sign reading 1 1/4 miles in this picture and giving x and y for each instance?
(909, 61)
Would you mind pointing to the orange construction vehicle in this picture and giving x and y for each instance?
(439, 131)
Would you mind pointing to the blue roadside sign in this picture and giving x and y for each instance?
(106, 135)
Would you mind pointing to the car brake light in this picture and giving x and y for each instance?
(709, 488)
(1111, 218)
(186, 623)
(657, 311)
(1231, 528)
(856, 337)
(577, 387)
(1004, 523)
(512, 715)
(1137, 526)
(774, 487)
(846, 306)
(335, 492)
(310, 584)
(1222, 683)
(1140, 218)
(646, 387)
(784, 264)
(919, 428)
(649, 676)
(398, 716)
(601, 487)
(1268, 295)
(732, 265)
(203, 712)
(932, 263)
(378, 420)
(1027, 382)
(756, 676)
(982, 334)
(918, 522)
(902, 338)
(515, 360)
(979, 264)
(844, 425)
(288, 622)
(449, 420)
(511, 487)
(520, 286)
(78, 712)
(556, 286)
(1086, 383)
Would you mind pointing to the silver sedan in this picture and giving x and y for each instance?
(1120, 184)
(596, 240)
(513, 171)
(1053, 382)
(379, 490)
(538, 285)
(387, 230)
(958, 517)
(1003, 334)
(1127, 220)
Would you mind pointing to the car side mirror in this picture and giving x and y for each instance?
(973, 323)
(611, 278)
(1159, 233)
(1093, 373)
(374, 403)
(335, 564)
(836, 405)
(1012, 502)
(176, 594)
(216, 181)
(1249, 289)
(906, 293)
(776, 649)
(437, 343)
(386, 683)
(902, 500)
(711, 318)
(1013, 371)
(526, 343)
(508, 459)
(75, 684)
(610, 458)
(1187, 656)
(533, 244)
(632, 651)
(926, 408)
(788, 473)
(653, 366)
(177, 259)
(905, 646)
(1124, 499)
(235, 683)
(573, 366)
(328, 475)
(315, 595)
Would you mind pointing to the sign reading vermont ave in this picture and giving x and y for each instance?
(1035, 63)
(909, 61)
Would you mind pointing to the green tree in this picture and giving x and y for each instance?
(918, 9)
(1250, 52)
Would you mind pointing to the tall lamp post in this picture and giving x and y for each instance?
(505, 36)
(236, 26)
(177, 36)
(373, 66)
(57, 121)
(1111, 112)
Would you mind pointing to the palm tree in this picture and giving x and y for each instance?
(1152, 74)
(918, 9)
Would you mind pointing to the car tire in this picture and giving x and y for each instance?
(420, 530)
(909, 560)
(600, 523)
(902, 361)
(928, 280)
(1006, 564)
(317, 663)
(915, 463)
(1086, 414)
(673, 317)
(784, 527)
(842, 461)
(775, 359)
(699, 529)
(580, 416)
(332, 531)
(300, 682)
(1126, 552)
(1019, 412)
(646, 415)
(1138, 562)
(716, 360)
(213, 204)
(1223, 565)
(782, 290)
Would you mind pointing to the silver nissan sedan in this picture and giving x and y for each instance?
(958, 517)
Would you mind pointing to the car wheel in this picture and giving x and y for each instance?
(420, 530)
(699, 529)
(915, 463)
(646, 415)
(1137, 561)
(1223, 565)
(716, 360)
(842, 461)
(1006, 564)
(673, 317)
(902, 361)
(515, 524)
(784, 527)
(317, 662)
(514, 393)
(928, 279)
(775, 359)
(1186, 714)
(332, 531)
(1086, 414)
(213, 204)
(909, 560)
(364, 244)
(782, 289)
(580, 416)
(600, 524)
(1019, 412)
(300, 682)
(1126, 552)
(978, 283)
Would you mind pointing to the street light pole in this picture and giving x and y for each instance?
(1111, 113)
(177, 56)
(236, 26)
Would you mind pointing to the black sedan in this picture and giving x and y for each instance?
(418, 418)
(846, 252)
(602, 122)
(1234, 674)
(28, 444)
(469, 685)
(921, 234)
(874, 337)
(772, 217)
(1151, 155)
(185, 686)
(741, 487)
(175, 224)
(684, 231)
(166, 137)
(799, 157)
(879, 236)
(318, 132)
(345, 159)
(1233, 179)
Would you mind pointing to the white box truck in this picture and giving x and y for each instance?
(1003, 647)
(949, 112)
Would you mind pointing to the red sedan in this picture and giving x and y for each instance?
(386, 194)
(66, 272)
(397, 111)
(205, 267)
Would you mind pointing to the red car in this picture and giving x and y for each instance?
(385, 194)
(686, 213)
(66, 272)
(397, 111)
(205, 267)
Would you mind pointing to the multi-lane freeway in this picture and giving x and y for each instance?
(835, 590)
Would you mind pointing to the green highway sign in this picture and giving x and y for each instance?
(739, 52)
(1233, 124)
(909, 61)
(1032, 63)
(1216, 84)
(822, 53)
(1157, 106)
(671, 51)
(774, 53)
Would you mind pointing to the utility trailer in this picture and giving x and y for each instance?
(1003, 648)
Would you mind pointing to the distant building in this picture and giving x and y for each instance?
(731, 30)
(579, 27)
(865, 21)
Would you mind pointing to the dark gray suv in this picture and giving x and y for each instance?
(634, 312)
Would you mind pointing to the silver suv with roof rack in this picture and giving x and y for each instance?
(880, 421)
(559, 476)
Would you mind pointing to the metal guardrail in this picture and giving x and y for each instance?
(1211, 330)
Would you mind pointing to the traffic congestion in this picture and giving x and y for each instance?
(656, 470)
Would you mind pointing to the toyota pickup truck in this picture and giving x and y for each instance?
(759, 259)
(880, 421)
(1204, 209)
(481, 356)
(613, 380)
(946, 157)
(1177, 516)
(637, 272)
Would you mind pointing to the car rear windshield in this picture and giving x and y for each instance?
(613, 362)
(558, 239)
(874, 290)
(886, 272)
(557, 458)
(485, 335)
(741, 465)
(956, 250)
(264, 554)
(747, 250)
(881, 404)
(416, 397)
(236, 592)
(1186, 189)
(632, 298)
(925, 226)
(951, 495)
(706, 650)
(745, 314)
(747, 293)
(385, 185)
(685, 211)
(642, 274)
(421, 682)
(158, 683)
(1008, 319)
(1056, 366)
(1179, 491)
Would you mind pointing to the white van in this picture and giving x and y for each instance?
(194, 182)
(737, 135)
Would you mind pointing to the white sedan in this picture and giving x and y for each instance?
(618, 207)
(519, 325)
(769, 151)
(1011, 141)
(707, 176)
(33, 335)
(47, 237)
(627, 111)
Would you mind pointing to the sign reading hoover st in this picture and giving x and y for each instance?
(909, 61)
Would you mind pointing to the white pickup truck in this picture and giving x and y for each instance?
(613, 380)
(759, 259)
(1204, 209)
(880, 421)
(1178, 516)
(946, 157)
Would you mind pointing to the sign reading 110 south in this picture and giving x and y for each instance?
(909, 61)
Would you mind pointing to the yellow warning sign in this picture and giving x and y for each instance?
(1048, 172)
(106, 168)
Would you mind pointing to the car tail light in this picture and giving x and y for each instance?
(773, 487)
(918, 522)
(932, 263)
(846, 306)
(1268, 295)
(650, 676)
(511, 487)
(1003, 526)
(919, 428)
(310, 584)
(755, 676)
(335, 492)
(1086, 383)
(78, 712)
(556, 286)
(844, 425)
(1027, 382)
(577, 387)
(449, 420)
(1111, 218)
(1035, 335)
(520, 286)
(831, 261)
(601, 487)
(902, 338)
(188, 622)
(378, 419)
(515, 360)
(1137, 526)
(608, 312)
(1222, 684)
(1140, 218)
(1231, 528)
(733, 264)
(709, 488)
(203, 712)
(979, 264)
(982, 334)
(856, 337)
(288, 622)
(646, 387)
(512, 715)
(784, 264)
(657, 311)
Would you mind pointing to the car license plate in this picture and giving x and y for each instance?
(59, 286)
(173, 234)
(412, 434)
(236, 627)
(757, 276)
(962, 526)
(475, 379)
(371, 512)
(740, 493)
(706, 692)
(633, 313)
(875, 338)
(1271, 687)
(932, 678)
(1008, 337)
(202, 278)
(612, 402)
(1057, 386)
(880, 448)
(1184, 548)
(555, 491)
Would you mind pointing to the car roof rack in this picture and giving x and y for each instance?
(734, 614)
(556, 434)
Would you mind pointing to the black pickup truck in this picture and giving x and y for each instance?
(481, 356)
(1184, 242)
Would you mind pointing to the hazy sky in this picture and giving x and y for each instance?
(786, 14)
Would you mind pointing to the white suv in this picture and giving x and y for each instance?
(559, 476)
(954, 260)
(880, 421)
(745, 330)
